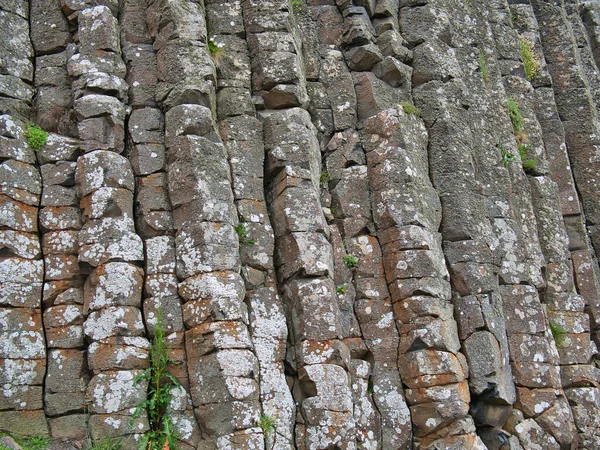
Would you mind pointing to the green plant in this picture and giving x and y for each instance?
(341, 289)
(515, 115)
(558, 332)
(324, 177)
(28, 443)
(297, 4)
(35, 136)
(105, 444)
(507, 157)
(482, 68)
(267, 424)
(242, 232)
(370, 388)
(528, 164)
(530, 61)
(411, 109)
(350, 261)
(215, 49)
(160, 385)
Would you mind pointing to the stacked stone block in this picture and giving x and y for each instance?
(217, 342)
(23, 349)
(380, 411)
(67, 375)
(242, 136)
(578, 87)
(145, 145)
(418, 280)
(109, 248)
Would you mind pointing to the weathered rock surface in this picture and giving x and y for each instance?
(362, 224)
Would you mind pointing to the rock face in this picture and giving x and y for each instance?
(364, 224)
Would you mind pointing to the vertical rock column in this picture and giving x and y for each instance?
(67, 376)
(51, 38)
(407, 220)
(145, 144)
(242, 136)
(575, 105)
(521, 221)
(578, 112)
(223, 371)
(109, 248)
(367, 326)
(555, 204)
(303, 254)
(22, 344)
(444, 93)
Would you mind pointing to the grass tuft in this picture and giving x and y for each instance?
(28, 443)
(515, 115)
(483, 68)
(350, 261)
(530, 61)
(242, 232)
(558, 332)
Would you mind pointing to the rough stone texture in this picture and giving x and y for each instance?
(326, 204)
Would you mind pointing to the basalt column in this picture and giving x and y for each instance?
(339, 49)
(109, 248)
(242, 136)
(303, 254)
(223, 370)
(145, 146)
(22, 344)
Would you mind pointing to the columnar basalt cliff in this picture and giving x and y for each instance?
(362, 224)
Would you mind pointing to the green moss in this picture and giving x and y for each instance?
(324, 177)
(35, 136)
(411, 109)
(528, 164)
(341, 289)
